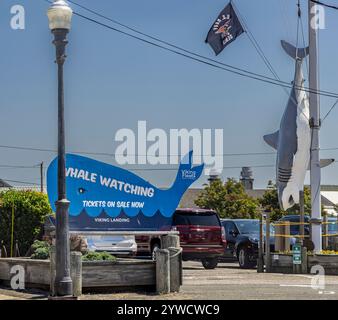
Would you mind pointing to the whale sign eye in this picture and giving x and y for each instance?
(82, 190)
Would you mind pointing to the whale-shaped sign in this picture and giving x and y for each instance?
(107, 197)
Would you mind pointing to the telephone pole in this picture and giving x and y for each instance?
(41, 177)
(315, 123)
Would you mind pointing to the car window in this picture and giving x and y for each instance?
(333, 226)
(230, 227)
(200, 219)
(251, 227)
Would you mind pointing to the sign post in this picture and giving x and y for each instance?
(297, 258)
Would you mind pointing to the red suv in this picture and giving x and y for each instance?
(201, 235)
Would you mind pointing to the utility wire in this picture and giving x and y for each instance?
(265, 59)
(256, 44)
(168, 43)
(25, 182)
(3, 166)
(331, 109)
(336, 103)
(325, 4)
(243, 74)
(114, 154)
(304, 43)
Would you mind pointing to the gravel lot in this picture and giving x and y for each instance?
(227, 282)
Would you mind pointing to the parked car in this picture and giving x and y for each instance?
(201, 237)
(117, 245)
(242, 238)
(295, 229)
(332, 230)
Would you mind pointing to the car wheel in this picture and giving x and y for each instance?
(154, 248)
(244, 259)
(210, 263)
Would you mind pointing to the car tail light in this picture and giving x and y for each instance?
(223, 236)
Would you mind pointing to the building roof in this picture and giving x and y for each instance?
(4, 184)
(256, 193)
(189, 197)
(329, 198)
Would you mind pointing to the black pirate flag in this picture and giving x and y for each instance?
(226, 29)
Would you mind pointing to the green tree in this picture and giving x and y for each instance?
(270, 202)
(229, 200)
(30, 210)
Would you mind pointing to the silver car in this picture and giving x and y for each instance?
(117, 245)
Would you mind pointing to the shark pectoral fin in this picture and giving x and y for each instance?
(326, 162)
(272, 139)
(323, 163)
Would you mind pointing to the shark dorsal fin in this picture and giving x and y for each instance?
(272, 139)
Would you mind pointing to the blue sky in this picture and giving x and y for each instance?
(113, 81)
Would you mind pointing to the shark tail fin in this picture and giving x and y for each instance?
(293, 52)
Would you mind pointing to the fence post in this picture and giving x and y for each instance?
(17, 250)
(175, 269)
(76, 272)
(326, 232)
(172, 243)
(260, 262)
(3, 250)
(267, 241)
(52, 270)
(162, 271)
(301, 215)
(286, 232)
(335, 243)
(12, 232)
(304, 269)
(279, 241)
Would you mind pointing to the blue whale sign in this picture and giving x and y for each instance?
(106, 197)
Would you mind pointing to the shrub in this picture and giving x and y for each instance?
(40, 254)
(30, 210)
(98, 256)
(41, 250)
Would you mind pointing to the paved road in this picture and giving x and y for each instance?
(227, 282)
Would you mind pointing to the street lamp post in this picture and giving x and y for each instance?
(59, 15)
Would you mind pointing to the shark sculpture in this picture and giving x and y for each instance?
(293, 140)
(100, 189)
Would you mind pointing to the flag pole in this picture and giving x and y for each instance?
(315, 123)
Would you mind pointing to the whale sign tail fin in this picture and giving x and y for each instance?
(293, 52)
(187, 174)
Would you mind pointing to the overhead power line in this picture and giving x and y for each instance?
(4, 166)
(325, 4)
(24, 182)
(171, 44)
(188, 55)
(115, 154)
(142, 155)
